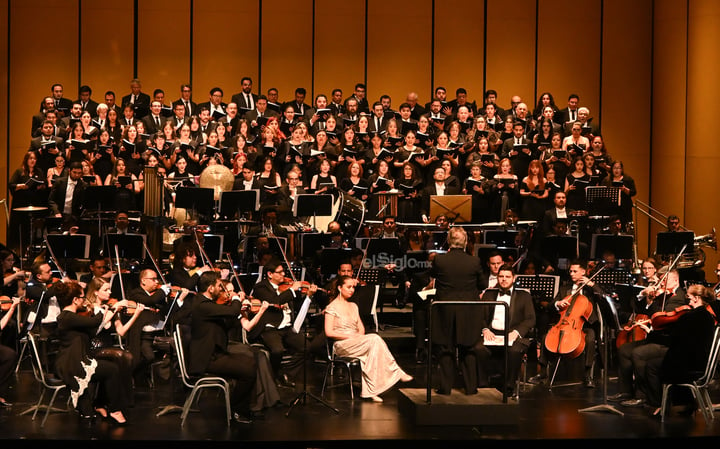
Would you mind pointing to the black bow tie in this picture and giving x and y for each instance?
(504, 291)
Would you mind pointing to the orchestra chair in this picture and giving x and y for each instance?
(335, 360)
(48, 383)
(197, 384)
(699, 387)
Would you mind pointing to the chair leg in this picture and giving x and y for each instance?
(350, 380)
(328, 372)
(49, 407)
(664, 402)
(23, 348)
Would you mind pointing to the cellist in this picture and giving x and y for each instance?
(579, 285)
(632, 356)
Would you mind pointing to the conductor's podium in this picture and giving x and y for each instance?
(486, 407)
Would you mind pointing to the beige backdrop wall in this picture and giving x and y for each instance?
(644, 68)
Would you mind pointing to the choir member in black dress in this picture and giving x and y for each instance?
(28, 187)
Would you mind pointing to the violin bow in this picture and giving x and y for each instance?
(365, 250)
(117, 262)
(63, 274)
(282, 251)
(670, 267)
(234, 273)
(157, 267)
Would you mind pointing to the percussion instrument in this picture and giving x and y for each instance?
(217, 177)
(348, 211)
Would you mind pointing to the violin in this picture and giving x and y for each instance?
(254, 305)
(6, 303)
(633, 330)
(305, 286)
(661, 320)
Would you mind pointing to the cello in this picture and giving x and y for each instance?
(567, 338)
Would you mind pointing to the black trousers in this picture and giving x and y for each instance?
(447, 363)
(278, 341)
(490, 359)
(8, 358)
(242, 368)
(109, 391)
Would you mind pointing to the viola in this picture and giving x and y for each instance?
(254, 305)
(633, 330)
(661, 320)
(567, 338)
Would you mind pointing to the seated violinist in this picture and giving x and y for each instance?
(275, 327)
(680, 345)
(186, 272)
(152, 319)
(664, 297)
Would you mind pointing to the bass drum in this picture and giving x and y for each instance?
(348, 211)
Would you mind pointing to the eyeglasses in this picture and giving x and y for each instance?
(152, 279)
(281, 270)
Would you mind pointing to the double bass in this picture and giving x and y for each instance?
(567, 338)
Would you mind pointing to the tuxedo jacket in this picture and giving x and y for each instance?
(150, 126)
(264, 291)
(142, 104)
(91, 107)
(209, 335)
(56, 200)
(457, 277)
(522, 311)
(239, 100)
(63, 103)
(193, 107)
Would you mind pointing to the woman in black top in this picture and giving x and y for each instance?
(75, 364)
(354, 183)
(409, 186)
(28, 187)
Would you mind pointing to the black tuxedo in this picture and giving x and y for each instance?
(193, 106)
(521, 319)
(90, 106)
(63, 105)
(141, 105)
(56, 200)
(242, 104)
(150, 126)
(521, 161)
(564, 115)
(457, 278)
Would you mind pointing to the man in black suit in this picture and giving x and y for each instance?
(139, 100)
(360, 95)
(437, 188)
(521, 321)
(517, 149)
(436, 116)
(336, 105)
(179, 117)
(88, 104)
(298, 104)
(275, 328)
(440, 94)
(257, 117)
(154, 121)
(587, 126)
(248, 181)
(47, 146)
(559, 211)
(461, 99)
(377, 120)
(416, 111)
(62, 104)
(245, 99)
(351, 115)
(490, 97)
(209, 349)
(73, 116)
(186, 100)
(186, 272)
(458, 277)
(569, 114)
(48, 105)
(215, 104)
(67, 194)
(315, 120)
(111, 103)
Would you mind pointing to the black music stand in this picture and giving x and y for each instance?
(236, 202)
(622, 246)
(311, 241)
(671, 243)
(628, 300)
(383, 250)
(607, 314)
(372, 276)
(101, 198)
(439, 239)
(69, 246)
(309, 205)
(560, 250)
(301, 325)
(602, 200)
(501, 237)
(130, 246)
(542, 287)
(330, 259)
(198, 199)
(613, 276)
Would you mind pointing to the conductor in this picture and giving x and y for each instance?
(458, 277)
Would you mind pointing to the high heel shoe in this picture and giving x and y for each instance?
(102, 412)
(115, 421)
(406, 378)
(377, 399)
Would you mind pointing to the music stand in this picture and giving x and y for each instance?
(309, 205)
(542, 287)
(197, 199)
(457, 208)
(70, 246)
(387, 250)
(311, 241)
(234, 202)
(300, 325)
(100, 198)
(501, 237)
(612, 277)
(560, 250)
(622, 246)
(606, 308)
(671, 243)
(371, 276)
(130, 246)
(602, 200)
(330, 259)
